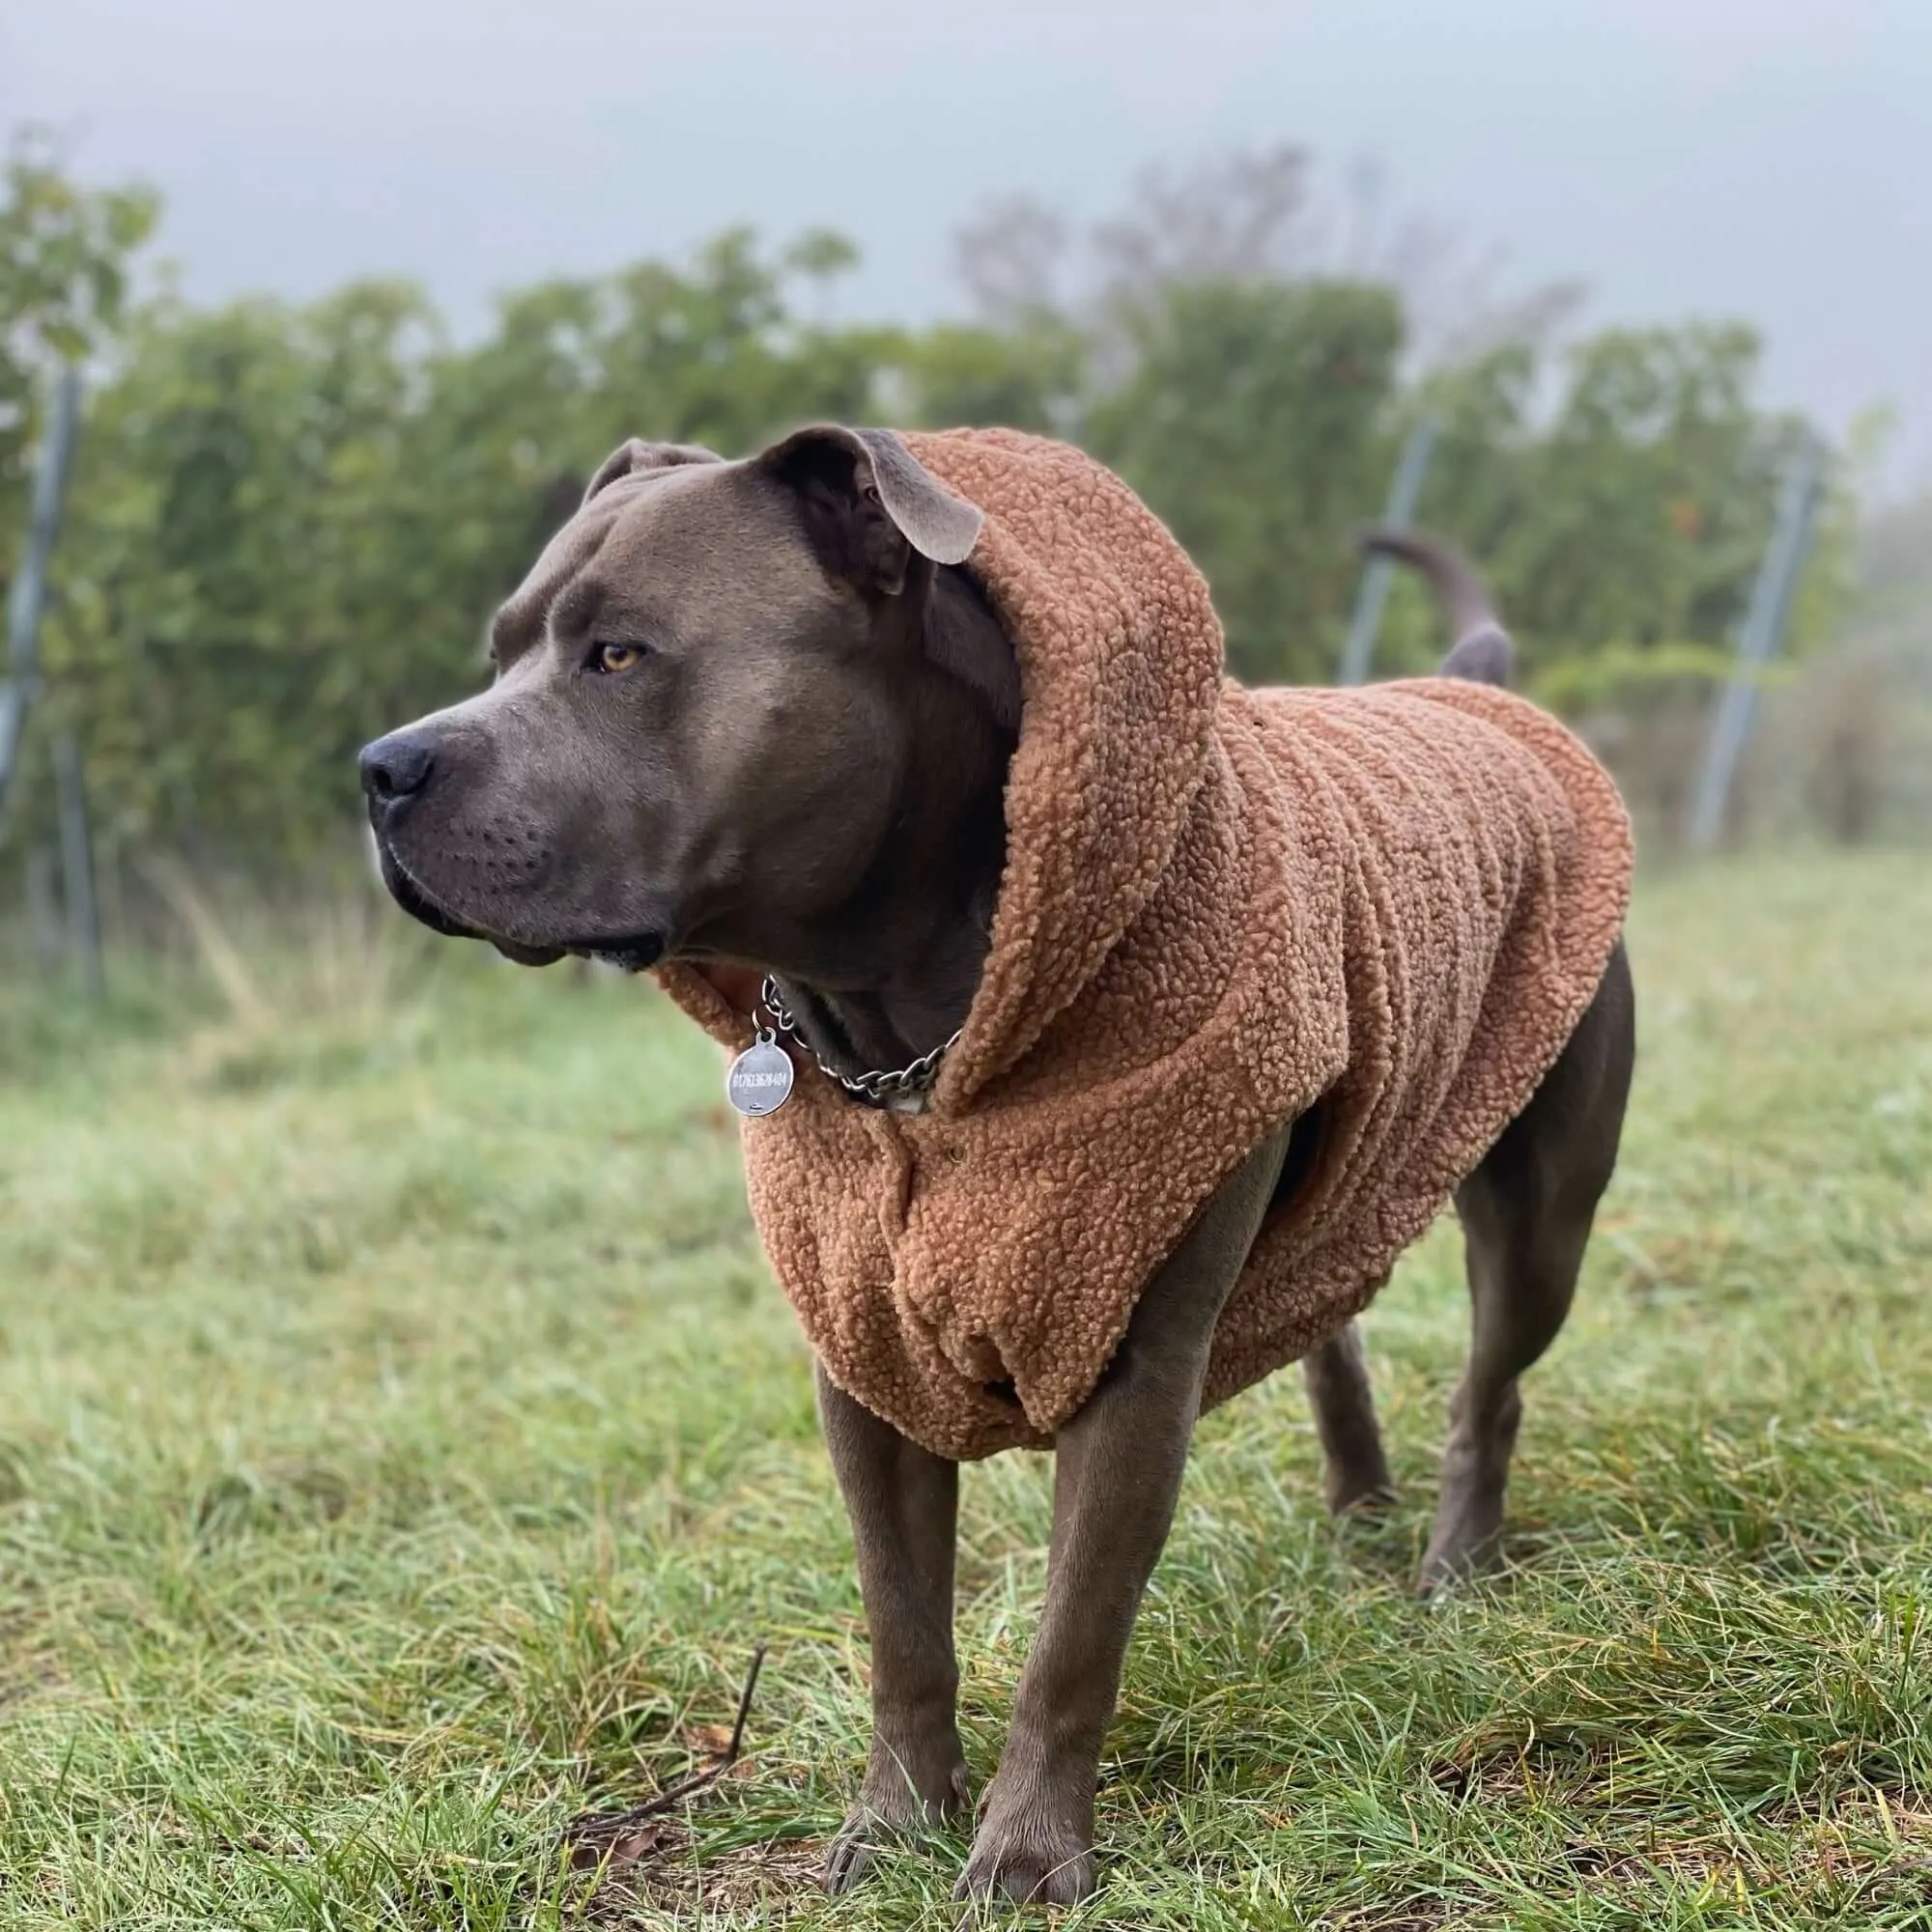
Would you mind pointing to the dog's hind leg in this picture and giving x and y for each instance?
(1527, 1213)
(903, 1503)
(1336, 1375)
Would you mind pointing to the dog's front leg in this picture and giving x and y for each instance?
(903, 1503)
(1119, 1472)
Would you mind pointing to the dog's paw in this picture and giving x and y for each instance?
(1466, 1540)
(1024, 1856)
(853, 1853)
(894, 1815)
(1446, 1576)
(1364, 1494)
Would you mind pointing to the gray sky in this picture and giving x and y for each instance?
(1768, 158)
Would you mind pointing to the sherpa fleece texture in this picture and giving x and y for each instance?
(1220, 909)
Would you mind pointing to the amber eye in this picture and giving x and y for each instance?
(613, 658)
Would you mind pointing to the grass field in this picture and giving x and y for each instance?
(401, 1449)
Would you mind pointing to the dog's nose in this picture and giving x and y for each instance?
(396, 767)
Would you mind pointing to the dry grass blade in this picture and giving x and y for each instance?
(218, 951)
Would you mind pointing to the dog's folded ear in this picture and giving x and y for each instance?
(630, 456)
(869, 503)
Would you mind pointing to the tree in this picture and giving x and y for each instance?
(65, 257)
(290, 523)
(1253, 421)
(1622, 528)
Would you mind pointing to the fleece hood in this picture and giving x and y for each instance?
(1120, 661)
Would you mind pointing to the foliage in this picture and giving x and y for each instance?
(290, 523)
(1632, 514)
(64, 254)
(1588, 681)
(1253, 419)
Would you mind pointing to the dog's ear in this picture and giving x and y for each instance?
(628, 457)
(869, 503)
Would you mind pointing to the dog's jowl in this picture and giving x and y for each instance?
(1104, 1030)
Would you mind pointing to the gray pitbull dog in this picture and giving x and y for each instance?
(756, 715)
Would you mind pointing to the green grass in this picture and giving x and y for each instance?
(401, 1449)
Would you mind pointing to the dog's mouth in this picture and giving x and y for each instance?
(637, 955)
(416, 900)
(630, 953)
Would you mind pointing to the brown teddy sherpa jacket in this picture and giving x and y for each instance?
(1220, 908)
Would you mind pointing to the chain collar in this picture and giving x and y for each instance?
(905, 1090)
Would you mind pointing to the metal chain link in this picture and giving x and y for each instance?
(880, 1089)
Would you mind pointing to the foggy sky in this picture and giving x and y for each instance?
(1770, 161)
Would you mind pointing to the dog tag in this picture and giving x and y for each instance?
(759, 1080)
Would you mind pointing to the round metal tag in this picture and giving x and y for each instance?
(759, 1079)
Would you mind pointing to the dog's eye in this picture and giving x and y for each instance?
(610, 659)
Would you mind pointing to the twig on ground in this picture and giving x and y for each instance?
(602, 1833)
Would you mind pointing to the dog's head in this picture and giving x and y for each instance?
(696, 725)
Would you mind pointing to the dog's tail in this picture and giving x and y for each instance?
(1482, 651)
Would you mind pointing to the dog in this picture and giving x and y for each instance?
(758, 716)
